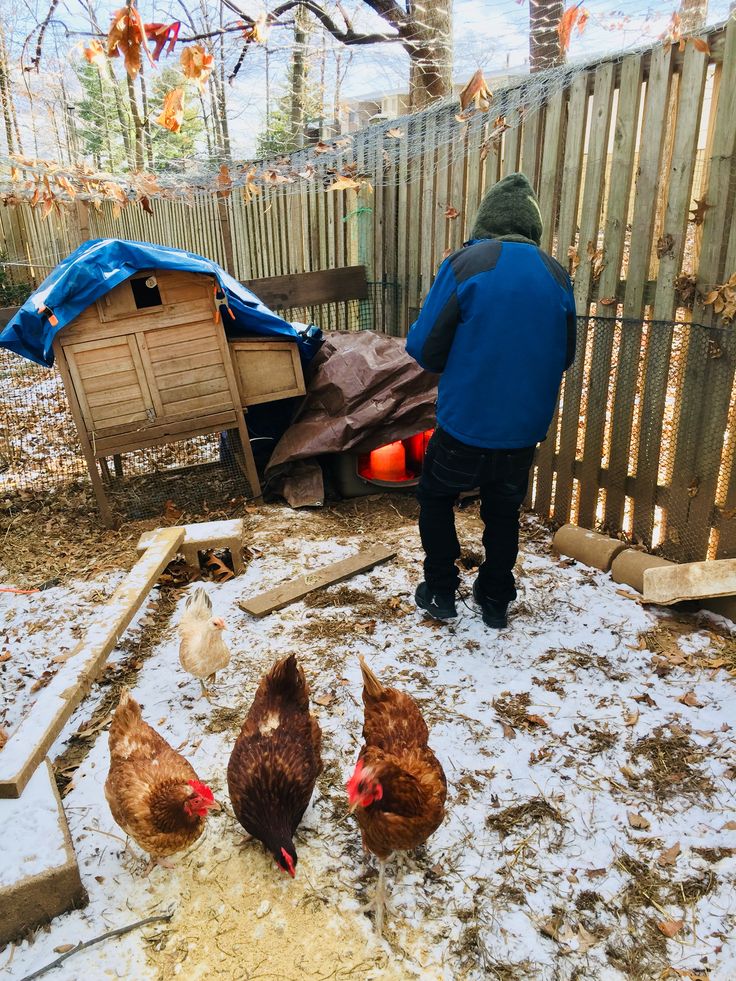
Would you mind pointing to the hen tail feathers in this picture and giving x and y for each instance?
(199, 603)
(371, 684)
(286, 677)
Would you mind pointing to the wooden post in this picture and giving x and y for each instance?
(94, 475)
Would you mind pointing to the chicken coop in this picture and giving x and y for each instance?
(161, 355)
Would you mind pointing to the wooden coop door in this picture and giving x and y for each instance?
(110, 382)
(187, 370)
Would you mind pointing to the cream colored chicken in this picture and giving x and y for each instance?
(202, 651)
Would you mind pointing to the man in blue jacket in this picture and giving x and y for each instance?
(499, 325)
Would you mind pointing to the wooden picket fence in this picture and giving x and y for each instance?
(642, 442)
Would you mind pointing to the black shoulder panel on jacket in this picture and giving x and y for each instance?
(477, 258)
(555, 269)
(437, 346)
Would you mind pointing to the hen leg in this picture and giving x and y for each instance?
(205, 692)
(380, 903)
(380, 897)
(154, 861)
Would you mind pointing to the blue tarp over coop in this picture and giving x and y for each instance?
(98, 266)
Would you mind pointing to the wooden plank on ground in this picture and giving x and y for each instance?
(31, 741)
(296, 589)
(690, 581)
(640, 249)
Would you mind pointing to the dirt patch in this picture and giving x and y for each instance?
(520, 817)
(361, 602)
(583, 659)
(672, 765)
(512, 710)
(225, 719)
(599, 740)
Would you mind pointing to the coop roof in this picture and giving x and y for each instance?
(98, 266)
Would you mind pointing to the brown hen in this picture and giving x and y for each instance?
(276, 761)
(398, 789)
(154, 794)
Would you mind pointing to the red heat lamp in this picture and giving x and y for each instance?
(399, 462)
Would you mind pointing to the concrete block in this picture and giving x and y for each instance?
(39, 875)
(205, 535)
(724, 606)
(628, 567)
(587, 547)
(690, 581)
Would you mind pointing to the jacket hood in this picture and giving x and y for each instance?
(509, 208)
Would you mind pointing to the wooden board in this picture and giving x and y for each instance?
(323, 286)
(266, 370)
(295, 589)
(690, 581)
(629, 357)
(675, 221)
(31, 741)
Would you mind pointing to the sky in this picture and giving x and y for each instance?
(487, 34)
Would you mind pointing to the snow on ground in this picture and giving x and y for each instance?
(591, 785)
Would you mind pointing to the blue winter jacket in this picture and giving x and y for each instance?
(499, 324)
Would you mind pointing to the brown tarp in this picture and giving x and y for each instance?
(364, 391)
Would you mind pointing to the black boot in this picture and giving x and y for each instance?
(439, 605)
(494, 613)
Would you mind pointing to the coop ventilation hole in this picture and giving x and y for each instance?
(145, 293)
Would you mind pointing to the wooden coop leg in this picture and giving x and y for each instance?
(250, 464)
(118, 464)
(94, 475)
(106, 475)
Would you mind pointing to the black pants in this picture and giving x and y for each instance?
(502, 476)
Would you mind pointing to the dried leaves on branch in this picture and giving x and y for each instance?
(573, 16)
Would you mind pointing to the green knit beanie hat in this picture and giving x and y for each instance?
(510, 207)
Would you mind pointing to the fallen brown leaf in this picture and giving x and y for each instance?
(691, 699)
(669, 855)
(670, 928)
(508, 732)
(631, 718)
(638, 821)
(327, 699)
(63, 948)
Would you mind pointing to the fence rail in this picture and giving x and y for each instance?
(635, 167)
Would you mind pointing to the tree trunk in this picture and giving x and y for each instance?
(428, 41)
(298, 77)
(137, 124)
(545, 50)
(6, 97)
(148, 141)
(693, 15)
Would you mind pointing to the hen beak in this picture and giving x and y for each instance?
(353, 806)
(215, 806)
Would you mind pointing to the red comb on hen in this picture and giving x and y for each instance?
(352, 784)
(202, 790)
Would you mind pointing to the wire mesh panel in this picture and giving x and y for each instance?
(676, 479)
(379, 311)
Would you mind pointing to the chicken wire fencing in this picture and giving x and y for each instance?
(642, 446)
(643, 443)
(40, 450)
